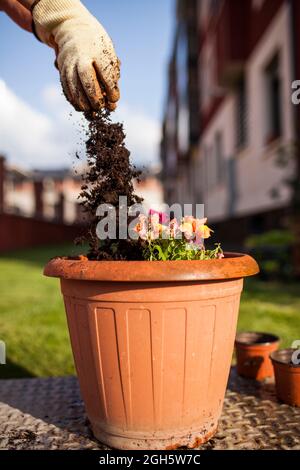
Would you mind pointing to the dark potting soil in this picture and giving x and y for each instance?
(110, 174)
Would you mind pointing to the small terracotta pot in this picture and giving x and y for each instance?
(252, 353)
(152, 343)
(287, 376)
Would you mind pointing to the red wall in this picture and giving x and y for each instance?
(23, 232)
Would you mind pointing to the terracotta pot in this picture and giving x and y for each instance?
(252, 353)
(287, 376)
(152, 344)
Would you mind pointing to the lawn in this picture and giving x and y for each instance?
(33, 324)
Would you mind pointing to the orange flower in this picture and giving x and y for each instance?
(192, 227)
(187, 229)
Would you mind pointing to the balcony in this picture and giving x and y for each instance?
(232, 34)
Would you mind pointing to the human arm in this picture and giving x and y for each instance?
(19, 13)
(85, 56)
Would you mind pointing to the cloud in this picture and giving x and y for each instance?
(142, 134)
(31, 138)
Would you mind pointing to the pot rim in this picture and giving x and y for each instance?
(282, 360)
(232, 266)
(271, 339)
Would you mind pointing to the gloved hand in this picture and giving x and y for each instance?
(87, 62)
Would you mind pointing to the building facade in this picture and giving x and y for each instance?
(237, 149)
(46, 194)
(53, 194)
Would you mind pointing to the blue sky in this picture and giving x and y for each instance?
(141, 31)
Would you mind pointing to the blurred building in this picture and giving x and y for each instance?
(53, 194)
(230, 127)
(38, 207)
(47, 194)
(150, 188)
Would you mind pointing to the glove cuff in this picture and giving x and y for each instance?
(48, 14)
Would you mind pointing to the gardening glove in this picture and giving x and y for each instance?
(86, 59)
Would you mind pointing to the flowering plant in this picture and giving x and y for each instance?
(165, 239)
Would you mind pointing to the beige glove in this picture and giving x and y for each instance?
(88, 65)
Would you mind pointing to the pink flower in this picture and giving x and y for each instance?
(142, 227)
(155, 227)
(165, 232)
(174, 228)
(187, 229)
(189, 219)
(162, 216)
(154, 219)
(220, 255)
(195, 229)
(202, 221)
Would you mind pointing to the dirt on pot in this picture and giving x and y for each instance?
(110, 175)
(157, 323)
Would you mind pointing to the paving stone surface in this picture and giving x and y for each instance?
(48, 413)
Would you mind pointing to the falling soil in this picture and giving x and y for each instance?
(110, 175)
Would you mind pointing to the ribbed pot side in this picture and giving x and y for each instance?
(152, 358)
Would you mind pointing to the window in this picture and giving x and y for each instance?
(219, 161)
(214, 6)
(213, 167)
(273, 95)
(199, 180)
(182, 85)
(257, 4)
(205, 169)
(203, 10)
(241, 115)
(207, 74)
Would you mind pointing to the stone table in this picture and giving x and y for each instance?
(48, 413)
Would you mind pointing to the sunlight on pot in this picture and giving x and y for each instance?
(152, 343)
(287, 375)
(252, 353)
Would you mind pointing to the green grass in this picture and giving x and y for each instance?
(33, 324)
(271, 307)
(32, 318)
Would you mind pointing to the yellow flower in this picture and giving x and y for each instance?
(203, 231)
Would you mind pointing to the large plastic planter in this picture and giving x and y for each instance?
(152, 343)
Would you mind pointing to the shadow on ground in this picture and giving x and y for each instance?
(264, 390)
(31, 410)
(11, 370)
